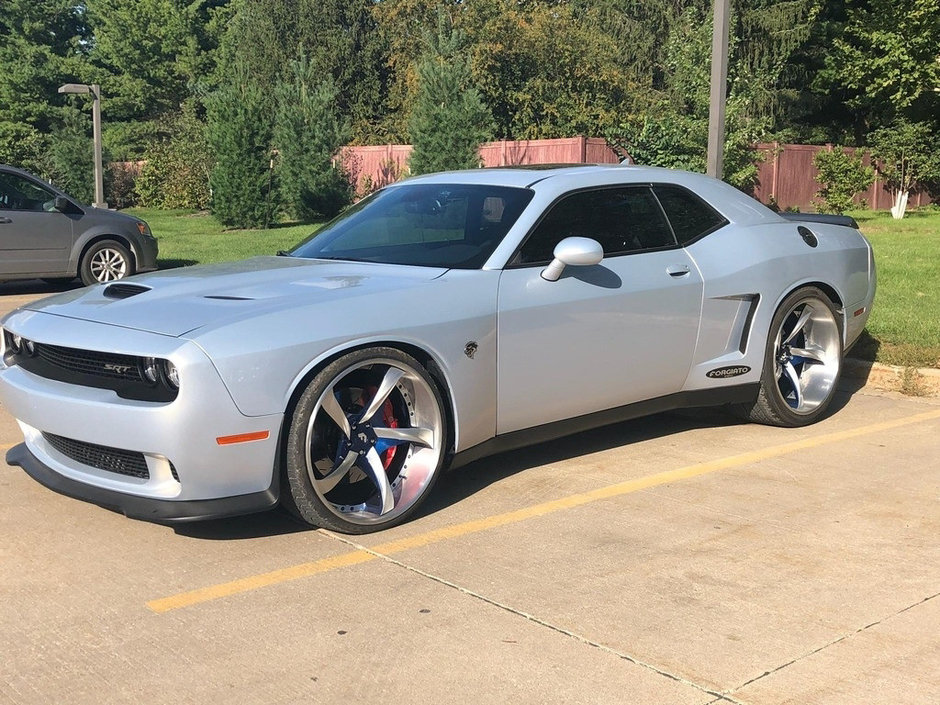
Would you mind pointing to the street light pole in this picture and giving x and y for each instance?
(95, 90)
(96, 135)
(719, 90)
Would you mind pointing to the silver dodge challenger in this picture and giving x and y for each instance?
(440, 320)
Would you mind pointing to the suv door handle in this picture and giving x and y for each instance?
(6, 220)
(678, 270)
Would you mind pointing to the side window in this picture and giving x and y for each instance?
(690, 216)
(17, 193)
(623, 219)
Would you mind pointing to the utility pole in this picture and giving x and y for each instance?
(719, 89)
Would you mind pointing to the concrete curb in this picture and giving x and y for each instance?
(922, 382)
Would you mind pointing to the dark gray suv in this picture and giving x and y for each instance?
(46, 233)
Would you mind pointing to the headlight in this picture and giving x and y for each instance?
(144, 229)
(149, 369)
(172, 374)
(158, 370)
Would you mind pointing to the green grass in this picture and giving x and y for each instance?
(904, 328)
(191, 237)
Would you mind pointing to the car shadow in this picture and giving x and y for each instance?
(38, 286)
(275, 522)
(466, 481)
(457, 485)
(175, 263)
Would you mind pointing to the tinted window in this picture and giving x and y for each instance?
(689, 215)
(435, 225)
(622, 220)
(17, 193)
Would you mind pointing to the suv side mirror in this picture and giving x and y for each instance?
(573, 252)
(62, 204)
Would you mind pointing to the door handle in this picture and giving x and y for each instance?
(6, 220)
(678, 270)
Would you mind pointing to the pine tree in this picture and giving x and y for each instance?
(239, 136)
(449, 120)
(308, 133)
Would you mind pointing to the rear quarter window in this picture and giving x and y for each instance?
(691, 217)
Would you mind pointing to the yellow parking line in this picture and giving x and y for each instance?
(214, 592)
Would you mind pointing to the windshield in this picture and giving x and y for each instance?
(432, 225)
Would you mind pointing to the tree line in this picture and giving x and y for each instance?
(214, 93)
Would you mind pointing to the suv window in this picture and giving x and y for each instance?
(622, 219)
(17, 193)
(690, 216)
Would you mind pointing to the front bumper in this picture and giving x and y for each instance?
(146, 250)
(189, 474)
(147, 508)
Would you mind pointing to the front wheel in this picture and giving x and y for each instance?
(105, 261)
(365, 442)
(802, 361)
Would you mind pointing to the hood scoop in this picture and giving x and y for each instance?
(124, 291)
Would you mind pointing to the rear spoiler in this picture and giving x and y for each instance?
(845, 220)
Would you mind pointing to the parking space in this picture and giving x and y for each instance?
(683, 558)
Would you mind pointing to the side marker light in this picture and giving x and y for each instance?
(242, 438)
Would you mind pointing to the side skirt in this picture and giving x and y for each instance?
(737, 394)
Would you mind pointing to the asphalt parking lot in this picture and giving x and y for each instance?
(683, 558)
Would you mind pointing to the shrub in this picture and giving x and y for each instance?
(842, 176)
(120, 184)
(176, 170)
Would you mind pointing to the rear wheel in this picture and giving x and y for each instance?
(802, 362)
(365, 442)
(105, 261)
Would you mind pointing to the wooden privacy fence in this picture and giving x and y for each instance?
(786, 173)
(372, 167)
(788, 177)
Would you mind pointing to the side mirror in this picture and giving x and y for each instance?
(62, 204)
(573, 252)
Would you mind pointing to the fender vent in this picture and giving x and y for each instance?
(123, 291)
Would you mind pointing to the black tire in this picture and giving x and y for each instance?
(332, 477)
(105, 261)
(796, 390)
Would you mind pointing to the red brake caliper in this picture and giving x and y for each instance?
(388, 418)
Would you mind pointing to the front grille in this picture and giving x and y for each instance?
(124, 374)
(89, 362)
(122, 462)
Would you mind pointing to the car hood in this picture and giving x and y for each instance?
(179, 301)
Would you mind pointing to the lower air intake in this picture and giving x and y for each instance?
(122, 462)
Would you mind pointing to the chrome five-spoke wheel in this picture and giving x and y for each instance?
(803, 361)
(366, 442)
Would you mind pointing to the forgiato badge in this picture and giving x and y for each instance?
(732, 371)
